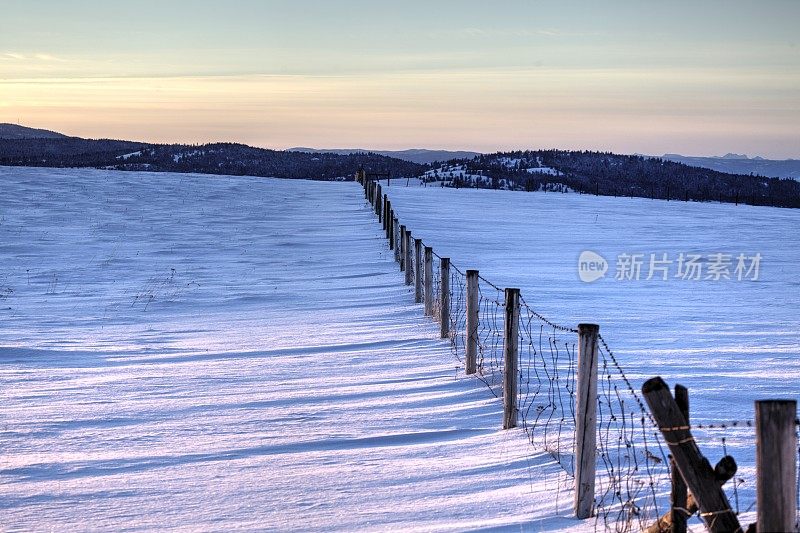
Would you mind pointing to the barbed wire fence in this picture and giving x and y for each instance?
(633, 476)
(547, 386)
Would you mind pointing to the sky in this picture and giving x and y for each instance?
(691, 77)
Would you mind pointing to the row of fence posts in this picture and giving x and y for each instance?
(776, 440)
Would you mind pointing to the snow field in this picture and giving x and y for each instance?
(191, 352)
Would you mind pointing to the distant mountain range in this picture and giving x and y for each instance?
(599, 173)
(415, 155)
(741, 164)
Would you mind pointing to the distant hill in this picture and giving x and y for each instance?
(741, 164)
(414, 155)
(15, 131)
(216, 158)
(607, 174)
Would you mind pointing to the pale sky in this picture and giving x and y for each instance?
(694, 77)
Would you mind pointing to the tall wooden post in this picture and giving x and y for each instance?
(510, 359)
(378, 200)
(444, 301)
(408, 262)
(679, 495)
(776, 465)
(418, 271)
(586, 419)
(471, 348)
(429, 296)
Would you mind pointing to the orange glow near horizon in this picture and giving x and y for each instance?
(480, 109)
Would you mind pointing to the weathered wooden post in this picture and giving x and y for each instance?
(387, 222)
(510, 359)
(586, 419)
(408, 263)
(444, 301)
(401, 248)
(776, 465)
(471, 347)
(378, 200)
(418, 270)
(700, 478)
(679, 496)
(724, 471)
(429, 296)
(394, 243)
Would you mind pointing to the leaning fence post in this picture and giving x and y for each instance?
(408, 263)
(418, 271)
(511, 358)
(776, 465)
(429, 296)
(586, 419)
(472, 322)
(700, 478)
(679, 495)
(444, 301)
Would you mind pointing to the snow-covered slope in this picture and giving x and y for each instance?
(198, 352)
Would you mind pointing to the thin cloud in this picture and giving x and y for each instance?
(34, 57)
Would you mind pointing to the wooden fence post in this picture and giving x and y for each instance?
(444, 301)
(723, 472)
(471, 347)
(396, 237)
(586, 419)
(408, 262)
(679, 495)
(387, 222)
(418, 271)
(776, 465)
(402, 248)
(695, 469)
(429, 296)
(511, 358)
(378, 200)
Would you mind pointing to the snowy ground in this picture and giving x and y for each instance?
(211, 353)
(202, 352)
(730, 342)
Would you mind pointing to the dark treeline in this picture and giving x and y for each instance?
(608, 174)
(599, 173)
(218, 158)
